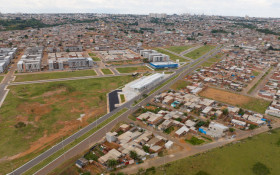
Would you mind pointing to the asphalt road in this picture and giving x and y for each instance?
(85, 144)
(113, 99)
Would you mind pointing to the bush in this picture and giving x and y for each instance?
(253, 127)
(152, 170)
(146, 149)
(20, 125)
(260, 169)
(231, 129)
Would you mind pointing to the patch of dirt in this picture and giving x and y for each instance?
(51, 93)
(34, 108)
(224, 96)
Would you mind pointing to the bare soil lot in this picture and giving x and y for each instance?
(250, 103)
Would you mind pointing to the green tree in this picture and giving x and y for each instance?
(146, 149)
(133, 155)
(231, 129)
(112, 163)
(260, 169)
(241, 111)
(225, 111)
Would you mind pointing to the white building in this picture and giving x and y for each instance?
(146, 82)
(154, 56)
(31, 60)
(6, 55)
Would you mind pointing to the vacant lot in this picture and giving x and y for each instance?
(172, 56)
(250, 103)
(179, 49)
(212, 60)
(200, 51)
(180, 84)
(1, 78)
(106, 71)
(54, 75)
(38, 115)
(232, 159)
(133, 69)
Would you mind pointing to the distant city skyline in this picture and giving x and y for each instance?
(252, 8)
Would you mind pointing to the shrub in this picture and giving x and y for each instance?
(202, 173)
(260, 169)
(20, 125)
(195, 141)
(231, 129)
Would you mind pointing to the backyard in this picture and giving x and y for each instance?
(36, 116)
(200, 51)
(53, 75)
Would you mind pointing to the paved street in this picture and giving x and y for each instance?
(85, 144)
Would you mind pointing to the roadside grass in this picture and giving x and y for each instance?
(172, 56)
(259, 81)
(200, 51)
(47, 109)
(106, 71)
(124, 70)
(54, 75)
(212, 60)
(242, 101)
(122, 98)
(232, 159)
(207, 64)
(179, 49)
(94, 57)
(1, 78)
(180, 84)
(74, 143)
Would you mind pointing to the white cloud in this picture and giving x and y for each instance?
(263, 8)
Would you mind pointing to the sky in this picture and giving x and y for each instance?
(252, 8)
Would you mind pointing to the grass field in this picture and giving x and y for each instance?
(212, 60)
(122, 98)
(172, 56)
(180, 84)
(179, 49)
(133, 69)
(246, 102)
(94, 57)
(106, 71)
(54, 75)
(232, 159)
(200, 51)
(48, 112)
